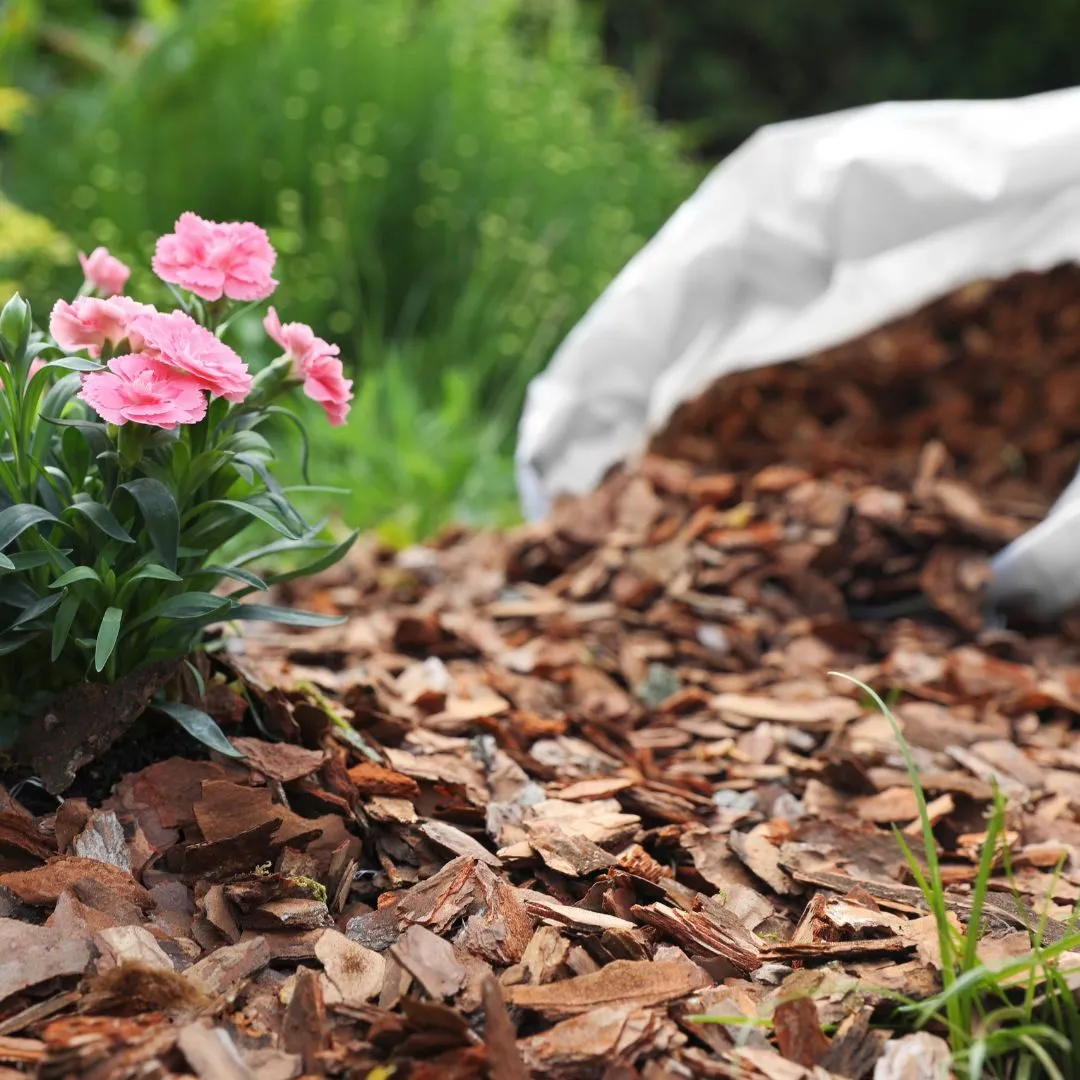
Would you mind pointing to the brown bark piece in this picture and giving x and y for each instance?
(33, 955)
(504, 1060)
(84, 721)
(129, 945)
(22, 843)
(798, 1032)
(353, 974)
(303, 1029)
(623, 982)
(458, 842)
(102, 838)
(227, 966)
(279, 761)
(212, 1054)
(585, 1044)
(565, 853)
(431, 961)
(43, 885)
(220, 859)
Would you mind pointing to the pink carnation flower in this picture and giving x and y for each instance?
(145, 391)
(104, 272)
(214, 259)
(88, 322)
(296, 338)
(325, 382)
(178, 341)
(316, 362)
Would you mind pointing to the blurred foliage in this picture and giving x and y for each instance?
(725, 68)
(32, 251)
(46, 44)
(450, 184)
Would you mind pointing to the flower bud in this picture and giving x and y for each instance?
(15, 328)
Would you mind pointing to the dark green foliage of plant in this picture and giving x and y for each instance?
(726, 68)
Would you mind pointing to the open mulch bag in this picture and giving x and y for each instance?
(813, 233)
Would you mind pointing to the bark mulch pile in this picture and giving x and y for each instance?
(550, 795)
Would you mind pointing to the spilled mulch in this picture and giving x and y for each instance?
(550, 795)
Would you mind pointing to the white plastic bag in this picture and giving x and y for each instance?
(811, 234)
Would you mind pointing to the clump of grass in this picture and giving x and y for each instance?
(1016, 1020)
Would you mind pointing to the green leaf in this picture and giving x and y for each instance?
(75, 363)
(149, 572)
(189, 605)
(314, 489)
(10, 643)
(65, 616)
(15, 520)
(266, 516)
(199, 725)
(305, 543)
(102, 517)
(196, 674)
(203, 467)
(285, 616)
(32, 611)
(160, 514)
(108, 633)
(75, 451)
(28, 560)
(247, 442)
(7, 564)
(96, 426)
(318, 565)
(234, 573)
(154, 572)
(79, 573)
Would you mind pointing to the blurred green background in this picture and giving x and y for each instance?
(450, 183)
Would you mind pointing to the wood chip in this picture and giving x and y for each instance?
(43, 885)
(227, 966)
(130, 945)
(353, 974)
(622, 982)
(304, 1025)
(212, 1054)
(34, 955)
(431, 961)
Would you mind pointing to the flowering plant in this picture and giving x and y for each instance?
(132, 450)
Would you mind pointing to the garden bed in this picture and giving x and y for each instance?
(583, 799)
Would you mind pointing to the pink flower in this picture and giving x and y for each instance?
(89, 322)
(325, 382)
(296, 338)
(35, 366)
(214, 259)
(316, 362)
(145, 391)
(178, 341)
(104, 272)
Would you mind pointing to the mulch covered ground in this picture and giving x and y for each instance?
(550, 795)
